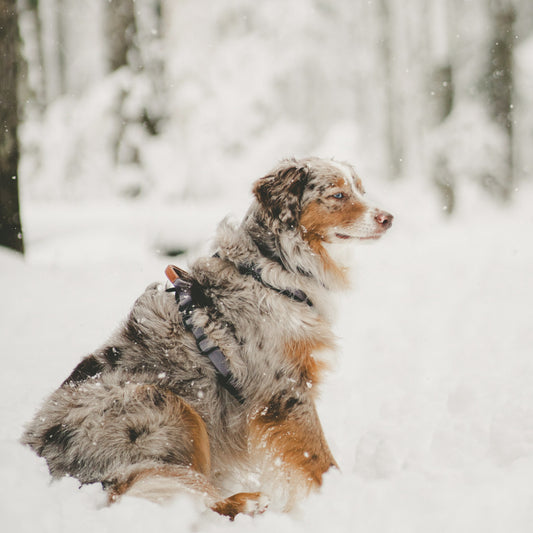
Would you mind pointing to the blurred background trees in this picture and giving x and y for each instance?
(191, 98)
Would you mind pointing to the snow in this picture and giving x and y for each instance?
(429, 411)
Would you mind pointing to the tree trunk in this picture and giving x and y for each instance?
(441, 90)
(10, 225)
(393, 129)
(120, 30)
(499, 85)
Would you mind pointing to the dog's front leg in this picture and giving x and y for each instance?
(291, 435)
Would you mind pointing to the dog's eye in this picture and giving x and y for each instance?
(338, 195)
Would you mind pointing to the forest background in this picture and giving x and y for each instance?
(184, 99)
(130, 127)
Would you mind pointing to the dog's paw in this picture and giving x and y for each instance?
(256, 505)
(250, 503)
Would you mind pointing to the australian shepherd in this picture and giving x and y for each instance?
(210, 387)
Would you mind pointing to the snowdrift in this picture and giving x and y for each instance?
(429, 410)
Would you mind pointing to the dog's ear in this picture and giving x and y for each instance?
(280, 192)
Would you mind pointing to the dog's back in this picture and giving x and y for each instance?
(117, 406)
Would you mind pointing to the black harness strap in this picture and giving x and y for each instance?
(294, 294)
(253, 270)
(182, 289)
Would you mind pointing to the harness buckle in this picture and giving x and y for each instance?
(175, 273)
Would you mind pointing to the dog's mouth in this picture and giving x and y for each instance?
(344, 236)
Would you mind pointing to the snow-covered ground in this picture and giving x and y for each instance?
(429, 410)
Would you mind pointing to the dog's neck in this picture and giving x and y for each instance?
(266, 242)
(286, 248)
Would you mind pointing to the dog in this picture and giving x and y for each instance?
(209, 386)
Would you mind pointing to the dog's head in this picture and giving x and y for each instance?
(322, 199)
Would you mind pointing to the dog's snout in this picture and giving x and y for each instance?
(384, 219)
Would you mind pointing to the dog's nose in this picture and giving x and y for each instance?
(384, 219)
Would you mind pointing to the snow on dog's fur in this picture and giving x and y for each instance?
(145, 415)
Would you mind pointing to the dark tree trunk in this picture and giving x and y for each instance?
(10, 225)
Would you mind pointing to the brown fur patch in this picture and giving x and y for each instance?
(193, 426)
(238, 503)
(186, 417)
(316, 244)
(299, 442)
(201, 458)
(289, 427)
(300, 352)
(318, 219)
(115, 490)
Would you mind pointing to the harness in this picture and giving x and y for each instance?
(182, 287)
(294, 294)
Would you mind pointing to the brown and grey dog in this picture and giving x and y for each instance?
(148, 414)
